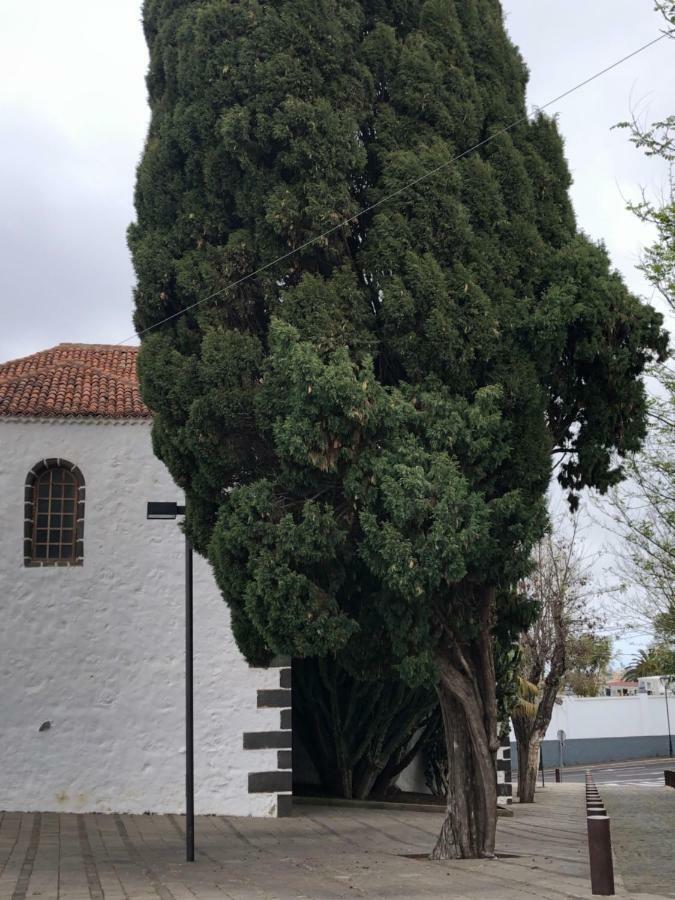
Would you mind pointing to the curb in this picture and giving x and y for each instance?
(381, 804)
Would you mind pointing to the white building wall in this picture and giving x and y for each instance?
(98, 650)
(608, 717)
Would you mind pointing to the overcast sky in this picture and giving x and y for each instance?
(73, 118)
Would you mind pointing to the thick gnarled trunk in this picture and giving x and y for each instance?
(468, 831)
(468, 700)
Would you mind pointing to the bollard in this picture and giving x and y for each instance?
(669, 776)
(600, 856)
(558, 779)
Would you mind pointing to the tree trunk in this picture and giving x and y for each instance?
(528, 741)
(530, 730)
(468, 701)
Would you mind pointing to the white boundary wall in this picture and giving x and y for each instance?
(607, 729)
(608, 717)
(98, 650)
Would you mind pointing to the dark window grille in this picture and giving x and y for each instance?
(54, 514)
(55, 526)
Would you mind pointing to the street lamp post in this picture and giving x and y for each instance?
(170, 511)
(665, 681)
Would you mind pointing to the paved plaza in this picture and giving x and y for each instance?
(321, 853)
(643, 836)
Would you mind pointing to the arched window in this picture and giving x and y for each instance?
(54, 514)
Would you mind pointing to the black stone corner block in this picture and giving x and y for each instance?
(286, 719)
(279, 662)
(274, 698)
(269, 782)
(284, 806)
(503, 790)
(284, 759)
(285, 678)
(267, 740)
(503, 765)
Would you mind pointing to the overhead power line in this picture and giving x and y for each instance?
(429, 174)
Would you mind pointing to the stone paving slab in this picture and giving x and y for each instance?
(643, 837)
(320, 853)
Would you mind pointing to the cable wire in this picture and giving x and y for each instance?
(429, 174)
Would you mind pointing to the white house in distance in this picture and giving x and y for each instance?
(655, 685)
(617, 687)
(92, 640)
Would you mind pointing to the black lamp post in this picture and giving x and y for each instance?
(170, 511)
(665, 681)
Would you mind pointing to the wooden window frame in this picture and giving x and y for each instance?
(34, 478)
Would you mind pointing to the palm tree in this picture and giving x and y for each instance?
(656, 660)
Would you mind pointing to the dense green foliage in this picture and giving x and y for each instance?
(365, 431)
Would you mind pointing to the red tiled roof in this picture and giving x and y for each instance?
(73, 380)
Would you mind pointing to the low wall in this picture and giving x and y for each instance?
(586, 751)
(605, 729)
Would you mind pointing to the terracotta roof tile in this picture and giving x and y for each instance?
(73, 380)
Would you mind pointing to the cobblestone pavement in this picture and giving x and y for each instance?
(643, 836)
(321, 853)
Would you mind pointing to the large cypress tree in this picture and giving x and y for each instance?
(365, 431)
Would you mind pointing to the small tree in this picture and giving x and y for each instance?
(559, 584)
(588, 657)
(643, 508)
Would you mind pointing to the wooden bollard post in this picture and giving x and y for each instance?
(600, 856)
(557, 776)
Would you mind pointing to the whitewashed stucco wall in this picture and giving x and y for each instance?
(584, 718)
(98, 651)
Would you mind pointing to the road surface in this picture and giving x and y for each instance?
(637, 773)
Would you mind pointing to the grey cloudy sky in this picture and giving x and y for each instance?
(73, 118)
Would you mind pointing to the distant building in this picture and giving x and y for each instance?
(619, 688)
(653, 686)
